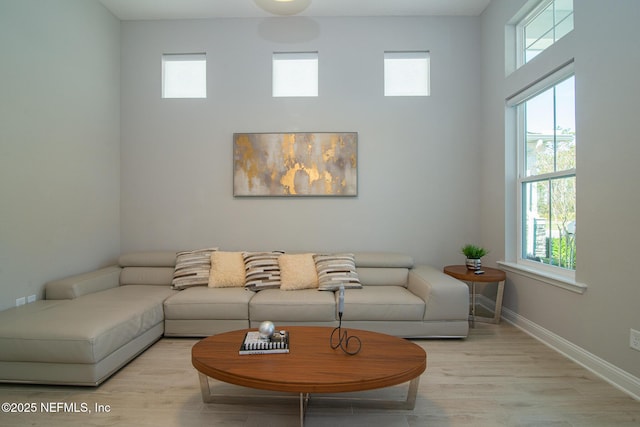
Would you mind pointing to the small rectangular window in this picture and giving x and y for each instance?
(295, 74)
(406, 74)
(184, 75)
(545, 25)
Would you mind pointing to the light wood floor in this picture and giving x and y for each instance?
(499, 376)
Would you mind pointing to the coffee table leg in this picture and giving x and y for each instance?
(207, 397)
(409, 403)
(304, 402)
(412, 393)
(204, 388)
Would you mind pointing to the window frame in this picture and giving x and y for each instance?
(299, 56)
(523, 179)
(525, 81)
(557, 276)
(182, 57)
(521, 27)
(406, 54)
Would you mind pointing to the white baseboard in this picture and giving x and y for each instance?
(615, 376)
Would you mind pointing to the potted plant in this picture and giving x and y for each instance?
(473, 254)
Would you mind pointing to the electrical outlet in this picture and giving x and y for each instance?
(31, 298)
(634, 339)
(20, 301)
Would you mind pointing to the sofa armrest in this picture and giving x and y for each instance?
(82, 284)
(446, 298)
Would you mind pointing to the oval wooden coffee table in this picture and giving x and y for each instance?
(312, 366)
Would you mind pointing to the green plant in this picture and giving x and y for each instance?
(473, 251)
(563, 250)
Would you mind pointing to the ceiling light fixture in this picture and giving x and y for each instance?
(283, 7)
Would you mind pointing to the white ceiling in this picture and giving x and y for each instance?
(197, 9)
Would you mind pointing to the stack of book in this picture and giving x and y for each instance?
(254, 344)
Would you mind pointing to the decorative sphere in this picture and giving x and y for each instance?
(266, 329)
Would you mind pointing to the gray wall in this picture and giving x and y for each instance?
(418, 175)
(431, 170)
(59, 142)
(604, 44)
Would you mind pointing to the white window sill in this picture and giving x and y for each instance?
(543, 276)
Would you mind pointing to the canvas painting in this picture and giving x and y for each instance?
(295, 164)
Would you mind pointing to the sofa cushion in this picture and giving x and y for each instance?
(388, 303)
(335, 270)
(82, 330)
(227, 270)
(81, 284)
(378, 276)
(208, 303)
(307, 305)
(262, 270)
(383, 260)
(192, 268)
(148, 259)
(297, 271)
(161, 276)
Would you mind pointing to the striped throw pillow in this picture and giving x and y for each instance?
(262, 270)
(335, 270)
(192, 268)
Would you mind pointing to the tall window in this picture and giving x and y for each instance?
(547, 172)
(184, 75)
(545, 25)
(295, 74)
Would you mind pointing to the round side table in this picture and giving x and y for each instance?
(490, 275)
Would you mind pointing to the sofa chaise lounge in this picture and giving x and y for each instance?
(90, 325)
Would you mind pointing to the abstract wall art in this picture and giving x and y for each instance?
(295, 164)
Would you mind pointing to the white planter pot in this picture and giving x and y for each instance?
(474, 264)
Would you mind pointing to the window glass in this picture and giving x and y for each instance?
(295, 74)
(406, 74)
(548, 181)
(549, 224)
(540, 124)
(184, 76)
(545, 25)
(538, 33)
(564, 18)
(550, 130)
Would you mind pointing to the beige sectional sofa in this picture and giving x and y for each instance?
(92, 324)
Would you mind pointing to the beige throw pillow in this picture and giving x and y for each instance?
(297, 271)
(227, 270)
